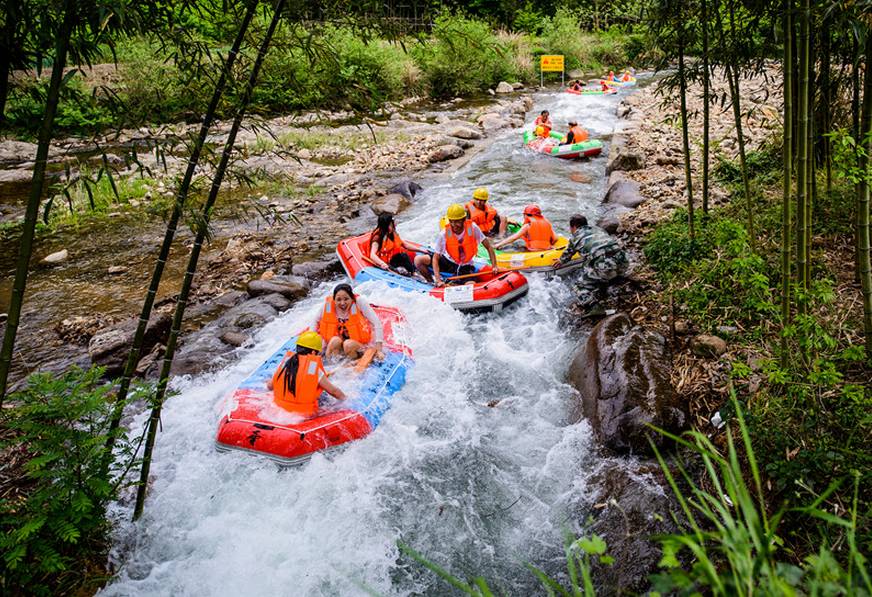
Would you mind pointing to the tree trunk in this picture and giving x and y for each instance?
(706, 93)
(826, 102)
(855, 131)
(802, 152)
(740, 137)
(863, 230)
(787, 156)
(682, 83)
(25, 245)
(182, 301)
(811, 193)
(10, 9)
(172, 224)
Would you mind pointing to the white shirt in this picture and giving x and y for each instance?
(366, 310)
(440, 242)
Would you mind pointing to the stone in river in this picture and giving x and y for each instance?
(56, 257)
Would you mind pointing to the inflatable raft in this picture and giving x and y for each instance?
(551, 146)
(489, 292)
(611, 91)
(254, 423)
(618, 83)
(530, 261)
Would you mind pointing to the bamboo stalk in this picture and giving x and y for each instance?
(787, 156)
(37, 181)
(688, 181)
(863, 192)
(187, 282)
(740, 137)
(811, 181)
(706, 93)
(802, 151)
(172, 224)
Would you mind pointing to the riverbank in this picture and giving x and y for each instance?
(327, 179)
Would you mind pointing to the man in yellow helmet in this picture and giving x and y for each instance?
(484, 216)
(457, 245)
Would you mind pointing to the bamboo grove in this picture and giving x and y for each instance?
(821, 49)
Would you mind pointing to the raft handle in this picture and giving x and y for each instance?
(262, 426)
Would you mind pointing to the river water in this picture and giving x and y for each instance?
(478, 489)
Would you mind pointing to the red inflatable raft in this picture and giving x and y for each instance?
(489, 292)
(254, 423)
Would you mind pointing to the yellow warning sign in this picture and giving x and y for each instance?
(551, 63)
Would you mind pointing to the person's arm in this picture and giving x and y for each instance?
(437, 254)
(492, 254)
(373, 255)
(374, 322)
(512, 238)
(571, 249)
(329, 387)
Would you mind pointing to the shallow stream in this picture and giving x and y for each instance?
(478, 489)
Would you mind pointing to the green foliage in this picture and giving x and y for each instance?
(580, 554)
(79, 111)
(716, 276)
(529, 20)
(733, 541)
(58, 524)
(588, 51)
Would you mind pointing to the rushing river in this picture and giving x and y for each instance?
(478, 489)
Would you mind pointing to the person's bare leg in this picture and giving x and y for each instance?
(504, 224)
(422, 262)
(334, 346)
(352, 348)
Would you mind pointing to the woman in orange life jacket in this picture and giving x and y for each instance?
(387, 250)
(300, 378)
(576, 134)
(457, 245)
(484, 216)
(348, 324)
(544, 121)
(536, 232)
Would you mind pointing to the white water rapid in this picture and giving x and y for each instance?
(479, 490)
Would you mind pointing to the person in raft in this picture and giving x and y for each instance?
(348, 324)
(605, 86)
(387, 250)
(626, 76)
(536, 232)
(300, 378)
(543, 124)
(576, 85)
(611, 76)
(457, 245)
(576, 134)
(484, 216)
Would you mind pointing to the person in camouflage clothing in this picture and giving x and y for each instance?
(604, 259)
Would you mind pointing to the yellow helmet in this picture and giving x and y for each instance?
(480, 193)
(311, 340)
(456, 212)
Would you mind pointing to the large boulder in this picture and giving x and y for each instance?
(389, 204)
(622, 376)
(465, 132)
(318, 270)
(492, 121)
(109, 347)
(445, 152)
(625, 159)
(290, 287)
(56, 257)
(625, 193)
(407, 187)
(504, 87)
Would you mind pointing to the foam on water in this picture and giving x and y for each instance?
(479, 489)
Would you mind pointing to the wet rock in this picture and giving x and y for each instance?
(623, 110)
(491, 92)
(609, 222)
(277, 302)
(115, 270)
(708, 346)
(389, 204)
(109, 347)
(233, 338)
(408, 188)
(528, 103)
(622, 376)
(4, 317)
(318, 270)
(626, 159)
(682, 327)
(148, 365)
(445, 152)
(503, 87)
(465, 132)
(289, 289)
(666, 160)
(517, 86)
(616, 176)
(56, 257)
(575, 73)
(492, 121)
(625, 193)
(633, 504)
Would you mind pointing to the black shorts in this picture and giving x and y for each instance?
(402, 260)
(447, 266)
(495, 229)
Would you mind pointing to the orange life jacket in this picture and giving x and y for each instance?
(626, 77)
(579, 135)
(461, 253)
(356, 327)
(388, 248)
(539, 235)
(544, 123)
(483, 218)
(304, 399)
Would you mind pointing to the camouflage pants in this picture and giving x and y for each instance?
(599, 270)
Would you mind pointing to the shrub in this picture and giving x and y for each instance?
(464, 57)
(79, 111)
(57, 525)
(529, 20)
